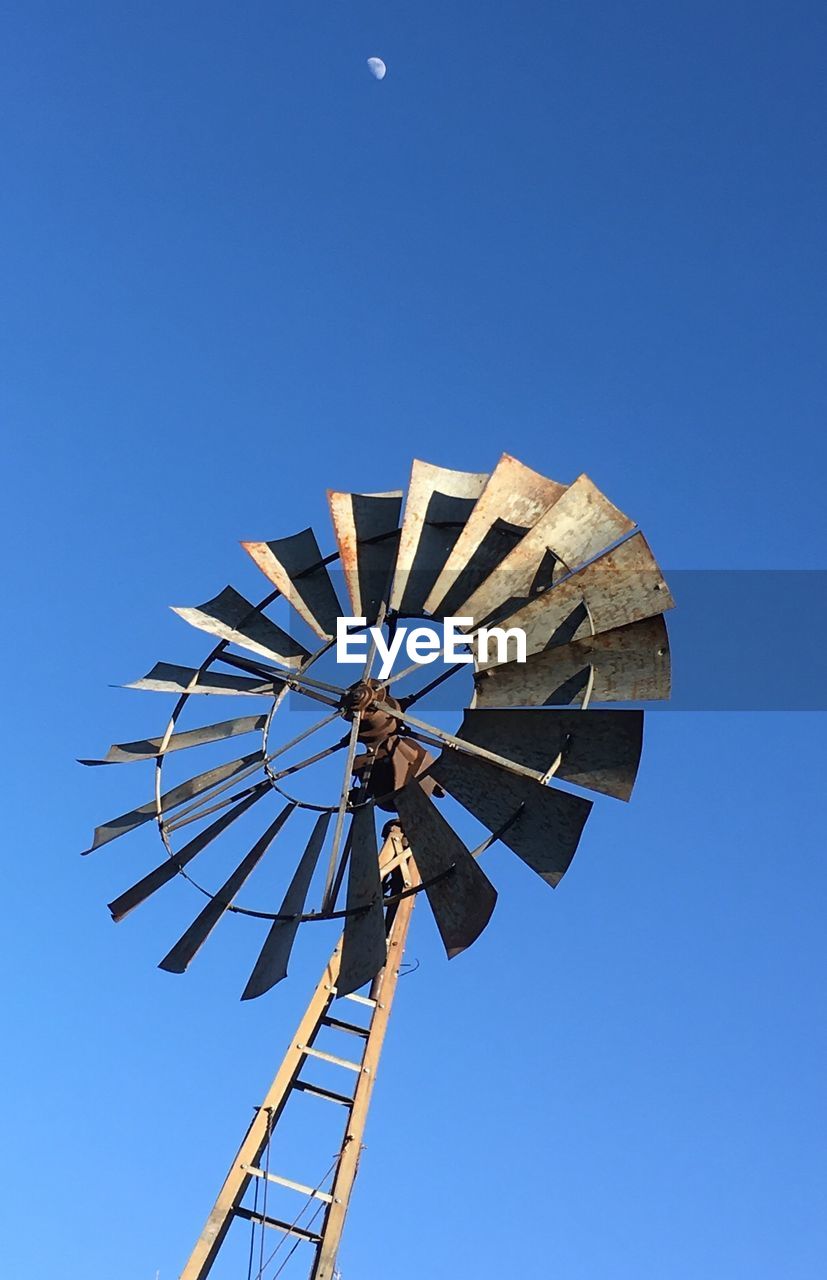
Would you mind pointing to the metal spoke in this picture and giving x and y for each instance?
(451, 740)
(181, 821)
(433, 684)
(304, 764)
(342, 867)
(203, 813)
(342, 809)
(201, 784)
(320, 724)
(406, 671)
(210, 795)
(289, 678)
(371, 657)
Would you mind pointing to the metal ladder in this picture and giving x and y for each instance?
(290, 1079)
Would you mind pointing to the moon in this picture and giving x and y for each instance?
(377, 68)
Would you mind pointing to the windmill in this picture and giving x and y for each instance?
(558, 562)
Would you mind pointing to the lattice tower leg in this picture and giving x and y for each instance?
(287, 1080)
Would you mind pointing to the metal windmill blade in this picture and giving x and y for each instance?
(363, 941)
(178, 958)
(230, 617)
(509, 549)
(150, 748)
(296, 566)
(271, 965)
(621, 586)
(579, 525)
(509, 506)
(437, 508)
(628, 664)
(366, 526)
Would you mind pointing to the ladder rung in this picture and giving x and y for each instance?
(331, 1057)
(278, 1225)
(318, 1092)
(287, 1182)
(346, 1026)
(360, 999)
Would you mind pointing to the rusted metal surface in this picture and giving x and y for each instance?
(630, 664)
(364, 698)
(623, 586)
(390, 760)
(230, 617)
(579, 525)
(512, 502)
(437, 508)
(170, 867)
(295, 565)
(271, 965)
(179, 957)
(364, 943)
(168, 677)
(549, 822)
(171, 799)
(367, 533)
(596, 749)
(391, 766)
(150, 748)
(463, 898)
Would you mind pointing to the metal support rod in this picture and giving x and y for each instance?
(260, 1132)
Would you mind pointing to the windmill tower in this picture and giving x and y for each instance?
(514, 549)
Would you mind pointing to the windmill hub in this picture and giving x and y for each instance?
(375, 726)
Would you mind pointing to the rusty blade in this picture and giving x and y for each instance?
(512, 502)
(542, 825)
(437, 508)
(296, 566)
(461, 896)
(364, 947)
(168, 869)
(179, 957)
(630, 664)
(599, 750)
(167, 677)
(273, 959)
(580, 524)
(150, 748)
(367, 532)
(624, 585)
(234, 619)
(171, 799)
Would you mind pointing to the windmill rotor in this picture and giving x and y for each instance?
(513, 549)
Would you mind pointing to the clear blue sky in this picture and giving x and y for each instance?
(237, 270)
